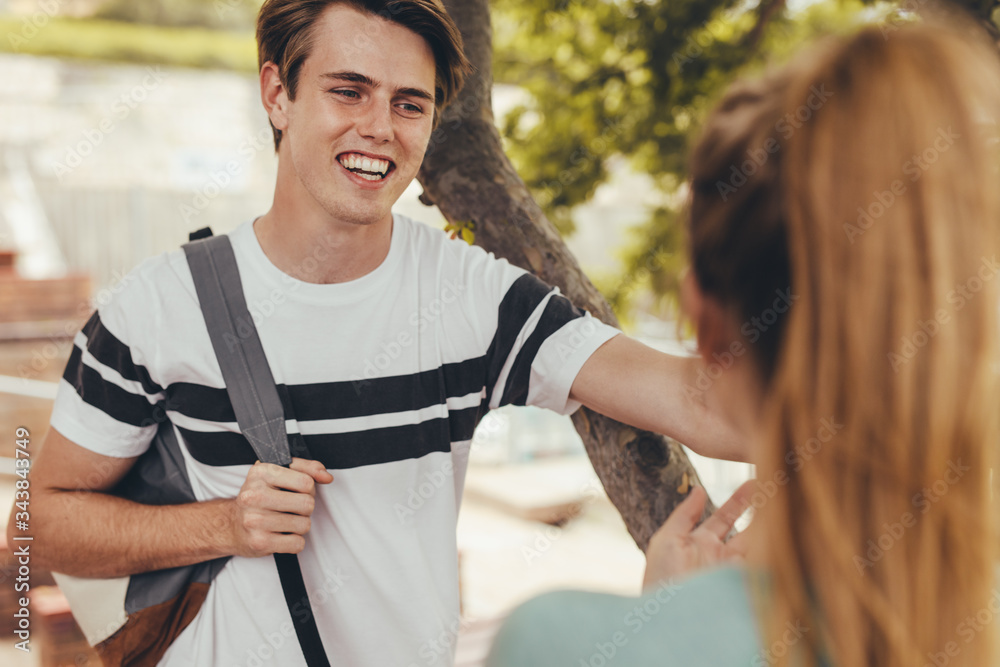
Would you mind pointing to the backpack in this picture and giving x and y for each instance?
(132, 621)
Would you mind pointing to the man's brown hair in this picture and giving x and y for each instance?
(285, 31)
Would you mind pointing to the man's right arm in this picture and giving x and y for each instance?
(82, 530)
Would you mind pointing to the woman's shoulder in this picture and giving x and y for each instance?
(674, 623)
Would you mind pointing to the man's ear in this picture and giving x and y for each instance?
(716, 329)
(274, 95)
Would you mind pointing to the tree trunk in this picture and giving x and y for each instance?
(468, 176)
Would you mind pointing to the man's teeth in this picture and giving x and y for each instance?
(375, 169)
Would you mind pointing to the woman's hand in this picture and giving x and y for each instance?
(679, 547)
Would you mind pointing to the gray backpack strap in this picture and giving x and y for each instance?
(245, 370)
(255, 400)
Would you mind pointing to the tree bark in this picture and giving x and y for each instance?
(468, 176)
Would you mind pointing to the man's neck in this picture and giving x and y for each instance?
(322, 251)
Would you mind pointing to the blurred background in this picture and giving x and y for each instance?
(126, 124)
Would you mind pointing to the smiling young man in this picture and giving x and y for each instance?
(389, 343)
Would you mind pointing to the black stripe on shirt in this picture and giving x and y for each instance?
(558, 312)
(339, 400)
(108, 397)
(296, 445)
(115, 354)
(340, 451)
(517, 305)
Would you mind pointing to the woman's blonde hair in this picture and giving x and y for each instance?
(861, 182)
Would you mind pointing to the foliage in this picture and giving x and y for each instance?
(606, 79)
(466, 230)
(634, 78)
(127, 42)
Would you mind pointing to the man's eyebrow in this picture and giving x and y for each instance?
(415, 92)
(365, 80)
(353, 77)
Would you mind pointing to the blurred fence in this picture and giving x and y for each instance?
(106, 232)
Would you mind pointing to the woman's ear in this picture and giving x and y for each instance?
(713, 322)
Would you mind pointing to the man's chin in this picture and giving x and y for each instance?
(361, 217)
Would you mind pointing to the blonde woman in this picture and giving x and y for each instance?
(843, 232)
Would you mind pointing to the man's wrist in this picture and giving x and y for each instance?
(219, 526)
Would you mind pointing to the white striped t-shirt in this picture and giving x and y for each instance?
(383, 379)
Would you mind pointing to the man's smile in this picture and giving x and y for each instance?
(370, 168)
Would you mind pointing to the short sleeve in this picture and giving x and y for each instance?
(107, 401)
(541, 343)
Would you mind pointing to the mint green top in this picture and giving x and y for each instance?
(703, 621)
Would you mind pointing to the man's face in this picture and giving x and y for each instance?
(362, 117)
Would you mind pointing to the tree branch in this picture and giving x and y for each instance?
(765, 11)
(468, 176)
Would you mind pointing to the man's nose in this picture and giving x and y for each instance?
(375, 122)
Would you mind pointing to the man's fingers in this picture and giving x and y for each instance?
(686, 515)
(288, 479)
(289, 544)
(277, 522)
(275, 505)
(280, 478)
(277, 500)
(720, 523)
(314, 469)
(737, 546)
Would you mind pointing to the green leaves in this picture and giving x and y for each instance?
(463, 230)
(629, 77)
(632, 78)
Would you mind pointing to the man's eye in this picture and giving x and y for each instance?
(411, 108)
(352, 94)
